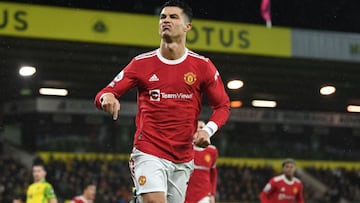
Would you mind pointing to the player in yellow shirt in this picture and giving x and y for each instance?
(40, 191)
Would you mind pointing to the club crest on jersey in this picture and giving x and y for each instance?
(142, 180)
(207, 158)
(190, 78)
(295, 190)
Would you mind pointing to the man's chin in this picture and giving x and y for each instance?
(166, 37)
(165, 34)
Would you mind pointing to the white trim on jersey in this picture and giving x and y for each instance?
(172, 62)
(191, 53)
(289, 182)
(146, 55)
(204, 168)
(210, 128)
(202, 148)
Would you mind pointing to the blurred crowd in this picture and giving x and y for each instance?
(235, 183)
(112, 177)
(341, 183)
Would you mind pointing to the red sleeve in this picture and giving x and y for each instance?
(265, 195)
(214, 174)
(123, 81)
(218, 98)
(300, 196)
(74, 200)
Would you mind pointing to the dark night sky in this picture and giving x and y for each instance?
(334, 15)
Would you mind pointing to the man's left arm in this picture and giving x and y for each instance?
(218, 99)
(220, 104)
(50, 194)
(213, 179)
(300, 195)
(213, 173)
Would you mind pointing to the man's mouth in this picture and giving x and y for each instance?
(165, 27)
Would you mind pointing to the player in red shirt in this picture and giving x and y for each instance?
(170, 82)
(87, 196)
(203, 180)
(284, 188)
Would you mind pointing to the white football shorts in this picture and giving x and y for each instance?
(205, 200)
(153, 174)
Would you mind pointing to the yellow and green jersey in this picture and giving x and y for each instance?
(40, 192)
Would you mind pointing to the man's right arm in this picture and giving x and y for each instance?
(110, 104)
(264, 197)
(107, 98)
(266, 193)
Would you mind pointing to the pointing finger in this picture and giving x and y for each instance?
(115, 111)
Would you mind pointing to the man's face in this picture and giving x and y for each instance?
(90, 192)
(289, 169)
(173, 23)
(38, 173)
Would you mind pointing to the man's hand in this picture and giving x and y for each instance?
(201, 139)
(212, 199)
(110, 104)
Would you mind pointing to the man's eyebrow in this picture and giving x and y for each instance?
(169, 14)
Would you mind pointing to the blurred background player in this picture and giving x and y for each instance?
(284, 188)
(203, 180)
(88, 195)
(40, 191)
(18, 199)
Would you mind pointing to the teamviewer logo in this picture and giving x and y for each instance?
(154, 95)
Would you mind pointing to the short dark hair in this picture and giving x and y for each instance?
(181, 4)
(19, 197)
(288, 160)
(87, 183)
(39, 164)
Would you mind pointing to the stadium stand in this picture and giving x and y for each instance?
(237, 183)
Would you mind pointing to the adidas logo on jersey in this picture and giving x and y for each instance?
(153, 78)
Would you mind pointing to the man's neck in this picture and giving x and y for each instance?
(289, 178)
(86, 197)
(39, 181)
(172, 51)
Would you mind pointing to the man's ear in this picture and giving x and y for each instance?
(188, 27)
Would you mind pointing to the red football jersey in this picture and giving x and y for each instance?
(169, 101)
(203, 180)
(281, 190)
(80, 199)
